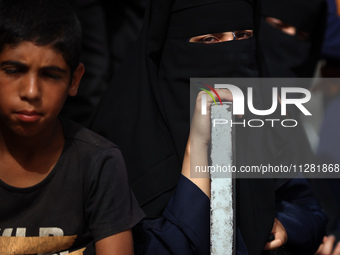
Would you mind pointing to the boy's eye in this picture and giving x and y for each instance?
(12, 70)
(53, 72)
(51, 75)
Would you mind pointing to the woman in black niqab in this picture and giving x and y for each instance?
(297, 54)
(146, 110)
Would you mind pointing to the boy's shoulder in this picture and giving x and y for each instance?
(84, 136)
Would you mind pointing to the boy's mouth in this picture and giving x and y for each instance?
(28, 116)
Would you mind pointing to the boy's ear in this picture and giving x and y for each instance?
(77, 74)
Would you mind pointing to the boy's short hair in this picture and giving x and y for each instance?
(42, 22)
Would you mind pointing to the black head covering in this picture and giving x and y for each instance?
(289, 55)
(182, 60)
(146, 110)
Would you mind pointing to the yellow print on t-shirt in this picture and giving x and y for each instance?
(20, 244)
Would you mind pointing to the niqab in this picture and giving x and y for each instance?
(288, 55)
(146, 110)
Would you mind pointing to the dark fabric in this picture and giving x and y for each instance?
(302, 216)
(182, 60)
(129, 115)
(328, 148)
(146, 111)
(213, 17)
(328, 153)
(304, 16)
(184, 227)
(331, 42)
(96, 58)
(109, 30)
(288, 55)
(86, 195)
(124, 21)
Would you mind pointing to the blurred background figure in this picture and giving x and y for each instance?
(329, 137)
(330, 53)
(291, 35)
(295, 36)
(109, 29)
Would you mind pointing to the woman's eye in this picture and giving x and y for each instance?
(222, 37)
(208, 40)
(279, 24)
(243, 34)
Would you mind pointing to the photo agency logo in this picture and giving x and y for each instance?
(238, 105)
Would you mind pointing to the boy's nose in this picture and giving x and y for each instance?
(30, 88)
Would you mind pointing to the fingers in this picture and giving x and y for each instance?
(326, 248)
(274, 244)
(280, 236)
(217, 95)
(200, 130)
(336, 249)
(328, 244)
(209, 97)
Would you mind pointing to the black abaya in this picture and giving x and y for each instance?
(146, 110)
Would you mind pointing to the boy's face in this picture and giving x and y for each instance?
(34, 84)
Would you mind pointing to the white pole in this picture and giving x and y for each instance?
(222, 217)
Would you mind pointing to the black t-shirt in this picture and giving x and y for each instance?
(85, 198)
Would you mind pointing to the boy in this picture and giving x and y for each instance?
(63, 189)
